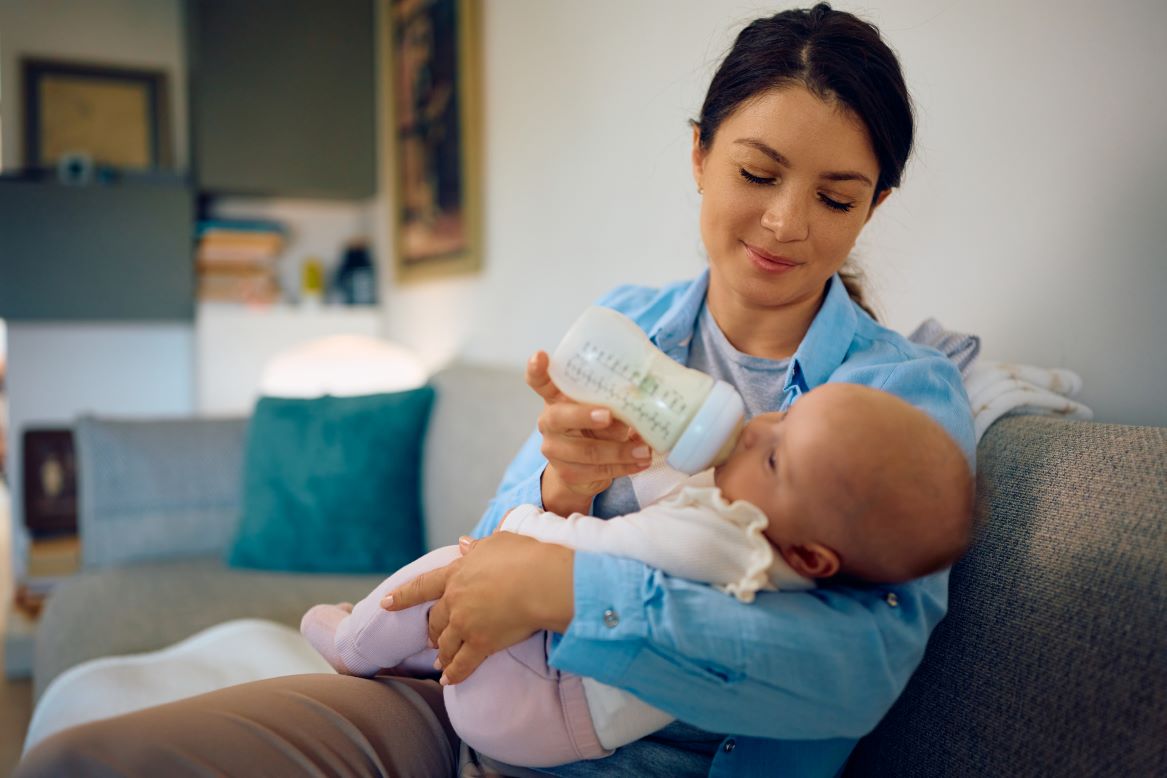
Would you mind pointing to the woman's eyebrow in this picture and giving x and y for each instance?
(774, 154)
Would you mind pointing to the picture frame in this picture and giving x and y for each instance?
(115, 117)
(432, 92)
(49, 467)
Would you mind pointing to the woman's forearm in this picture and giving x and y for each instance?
(823, 664)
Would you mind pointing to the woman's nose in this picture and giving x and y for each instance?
(786, 217)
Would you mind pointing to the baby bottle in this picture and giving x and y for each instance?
(605, 359)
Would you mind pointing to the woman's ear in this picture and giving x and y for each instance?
(812, 560)
(878, 202)
(698, 156)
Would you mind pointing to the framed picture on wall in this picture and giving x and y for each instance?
(433, 92)
(110, 116)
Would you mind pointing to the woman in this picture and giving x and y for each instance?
(804, 132)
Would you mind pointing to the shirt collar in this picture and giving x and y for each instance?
(673, 332)
(826, 343)
(818, 355)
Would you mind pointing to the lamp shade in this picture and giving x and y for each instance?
(342, 366)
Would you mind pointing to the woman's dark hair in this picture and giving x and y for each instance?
(834, 55)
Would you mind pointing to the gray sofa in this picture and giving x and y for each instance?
(1052, 661)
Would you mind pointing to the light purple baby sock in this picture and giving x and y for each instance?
(319, 627)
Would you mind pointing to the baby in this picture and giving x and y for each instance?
(850, 482)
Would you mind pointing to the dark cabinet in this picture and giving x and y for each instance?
(283, 97)
(96, 253)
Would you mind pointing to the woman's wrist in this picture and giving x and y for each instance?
(552, 604)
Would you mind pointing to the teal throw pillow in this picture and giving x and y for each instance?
(333, 484)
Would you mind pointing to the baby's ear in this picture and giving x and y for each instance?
(812, 560)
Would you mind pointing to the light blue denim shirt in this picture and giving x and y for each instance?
(797, 677)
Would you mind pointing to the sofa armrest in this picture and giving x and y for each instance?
(157, 489)
(1050, 661)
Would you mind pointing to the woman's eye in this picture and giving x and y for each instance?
(773, 461)
(747, 175)
(835, 205)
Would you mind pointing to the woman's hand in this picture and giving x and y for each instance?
(505, 588)
(585, 447)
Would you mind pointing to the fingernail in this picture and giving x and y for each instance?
(444, 681)
(387, 601)
(641, 452)
(600, 416)
(437, 664)
(464, 541)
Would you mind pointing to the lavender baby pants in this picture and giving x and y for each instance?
(513, 708)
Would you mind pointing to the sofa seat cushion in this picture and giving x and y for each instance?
(146, 607)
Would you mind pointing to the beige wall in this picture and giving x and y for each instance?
(1032, 213)
(130, 33)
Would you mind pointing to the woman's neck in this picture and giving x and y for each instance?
(771, 332)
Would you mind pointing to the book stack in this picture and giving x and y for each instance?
(237, 261)
(50, 560)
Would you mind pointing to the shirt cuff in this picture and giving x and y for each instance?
(608, 630)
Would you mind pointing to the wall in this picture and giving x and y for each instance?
(130, 33)
(56, 372)
(1032, 213)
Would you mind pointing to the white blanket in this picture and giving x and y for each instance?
(997, 389)
(223, 655)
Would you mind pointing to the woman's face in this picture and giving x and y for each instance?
(788, 184)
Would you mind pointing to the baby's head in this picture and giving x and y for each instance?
(855, 481)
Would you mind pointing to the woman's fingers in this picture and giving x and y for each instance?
(566, 451)
(539, 379)
(569, 418)
(437, 620)
(449, 641)
(428, 586)
(465, 662)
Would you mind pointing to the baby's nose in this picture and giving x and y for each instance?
(749, 435)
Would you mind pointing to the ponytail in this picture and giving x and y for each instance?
(853, 281)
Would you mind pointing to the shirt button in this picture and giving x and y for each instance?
(729, 746)
(891, 599)
(611, 618)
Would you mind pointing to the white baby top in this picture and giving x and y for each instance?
(693, 532)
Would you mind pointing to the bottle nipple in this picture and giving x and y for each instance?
(730, 444)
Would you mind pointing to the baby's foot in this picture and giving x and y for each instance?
(319, 627)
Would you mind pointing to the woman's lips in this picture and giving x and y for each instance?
(768, 262)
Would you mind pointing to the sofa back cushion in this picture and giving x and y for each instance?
(481, 416)
(1051, 658)
(152, 489)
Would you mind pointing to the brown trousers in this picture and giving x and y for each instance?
(318, 725)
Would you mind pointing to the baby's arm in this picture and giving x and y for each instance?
(686, 541)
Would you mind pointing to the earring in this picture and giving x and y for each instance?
(700, 190)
